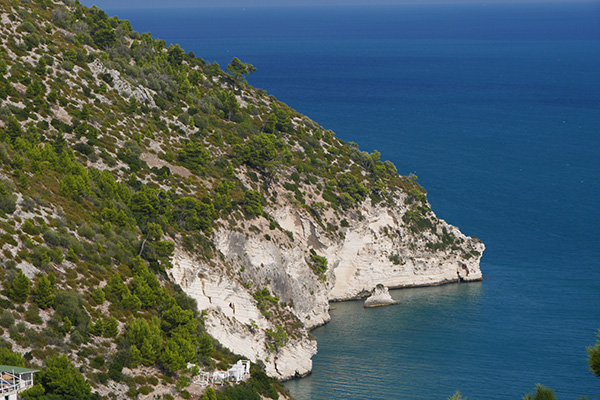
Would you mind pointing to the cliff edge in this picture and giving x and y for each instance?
(379, 244)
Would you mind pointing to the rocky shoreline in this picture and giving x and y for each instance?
(376, 247)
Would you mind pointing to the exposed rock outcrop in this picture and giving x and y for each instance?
(140, 93)
(379, 298)
(375, 247)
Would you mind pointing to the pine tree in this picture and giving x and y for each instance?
(98, 296)
(63, 379)
(40, 69)
(594, 356)
(135, 357)
(171, 358)
(111, 328)
(96, 329)
(209, 394)
(13, 129)
(206, 345)
(43, 295)
(9, 357)
(20, 288)
(541, 393)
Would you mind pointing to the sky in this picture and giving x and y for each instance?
(112, 4)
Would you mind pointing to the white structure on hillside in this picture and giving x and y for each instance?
(237, 373)
(14, 380)
(240, 370)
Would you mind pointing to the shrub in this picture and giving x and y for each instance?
(253, 203)
(183, 382)
(8, 201)
(594, 356)
(319, 264)
(68, 65)
(32, 315)
(97, 362)
(7, 319)
(70, 305)
(276, 338)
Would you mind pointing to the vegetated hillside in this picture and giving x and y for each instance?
(130, 169)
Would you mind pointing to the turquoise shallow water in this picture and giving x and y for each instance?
(497, 110)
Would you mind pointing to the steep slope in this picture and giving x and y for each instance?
(132, 170)
(375, 246)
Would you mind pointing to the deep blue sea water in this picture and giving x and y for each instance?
(497, 110)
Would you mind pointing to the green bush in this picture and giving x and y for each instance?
(318, 264)
(260, 151)
(68, 65)
(69, 305)
(97, 362)
(32, 315)
(8, 200)
(7, 319)
(253, 203)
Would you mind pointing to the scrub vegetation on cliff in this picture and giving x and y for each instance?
(115, 151)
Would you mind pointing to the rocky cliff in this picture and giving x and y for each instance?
(375, 247)
(130, 169)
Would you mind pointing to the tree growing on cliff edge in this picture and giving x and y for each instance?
(594, 356)
(541, 393)
(239, 70)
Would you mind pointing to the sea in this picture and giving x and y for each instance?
(496, 108)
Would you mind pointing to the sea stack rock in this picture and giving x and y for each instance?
(380, 297)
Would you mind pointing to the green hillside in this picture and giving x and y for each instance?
(115, 150)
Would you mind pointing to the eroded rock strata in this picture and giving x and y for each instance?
(377, 247)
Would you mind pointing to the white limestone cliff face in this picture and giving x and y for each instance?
(376, 247)
(363, 258)
(234, 319)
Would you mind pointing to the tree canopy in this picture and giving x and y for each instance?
(62, 378)
(240, 70)
(594, 356)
